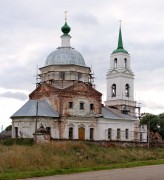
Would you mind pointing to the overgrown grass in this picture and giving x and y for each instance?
(66, 157)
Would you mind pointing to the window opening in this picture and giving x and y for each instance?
(113, 90)
(81, 105)
(70, 105)
(127, 90)
(91, 107)
(16, 132)
(109, 133)
(91, 133)
(79, 75)
(118, 134)
(125, 63)
(115, 63)
(70, 135)
(126, 133)
(62, 75)
(48, 130)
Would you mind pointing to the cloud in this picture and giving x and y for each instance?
(14, 95)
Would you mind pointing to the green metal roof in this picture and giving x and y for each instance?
(120, 48)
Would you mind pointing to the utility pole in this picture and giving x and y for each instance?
(148, 135)
(36, 121)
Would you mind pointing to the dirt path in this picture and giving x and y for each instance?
(155, 172)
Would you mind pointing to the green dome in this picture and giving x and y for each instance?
(66, 29)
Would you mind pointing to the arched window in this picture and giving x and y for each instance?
(110, 133)
(125, 63)
(70, 133)
(118, 133)
(115, 63)
(91, 133)
(127, 90)
(113, 90)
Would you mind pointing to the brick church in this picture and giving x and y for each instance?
(68, 106)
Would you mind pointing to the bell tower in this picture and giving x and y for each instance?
(120, 80)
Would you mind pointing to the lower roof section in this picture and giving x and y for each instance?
(112, 113)
(29, 109)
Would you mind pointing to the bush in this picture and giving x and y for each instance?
(18, 141)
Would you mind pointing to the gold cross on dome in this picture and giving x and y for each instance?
(66, 15)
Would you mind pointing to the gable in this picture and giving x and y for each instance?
(81, 88)
(43, 90)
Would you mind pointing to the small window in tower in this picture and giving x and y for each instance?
(62, 75)
(81, 105)
(91, 107)
(113, 90)
(125, 63)
(79, 75)
(127, 90)
(115, 63)
(70, 105)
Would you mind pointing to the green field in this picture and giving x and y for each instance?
(22, 161)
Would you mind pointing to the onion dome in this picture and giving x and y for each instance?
(65, 29)
(65, 55)
(120, 48)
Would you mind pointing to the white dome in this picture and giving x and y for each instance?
(65, 55)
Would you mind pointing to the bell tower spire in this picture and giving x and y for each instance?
(120, 80)
(120, 43)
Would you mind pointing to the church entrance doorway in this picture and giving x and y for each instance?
(81, 133)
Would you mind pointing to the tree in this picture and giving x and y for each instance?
(161, 124)
(8, 128)
(156, 122)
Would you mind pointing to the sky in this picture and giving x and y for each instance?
(30, 30)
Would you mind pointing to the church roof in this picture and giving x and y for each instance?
(112, 113)
(29, 109)
(65, 56)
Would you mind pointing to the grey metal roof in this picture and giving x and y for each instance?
(112, 113)
(64, 56)
(29, 109)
